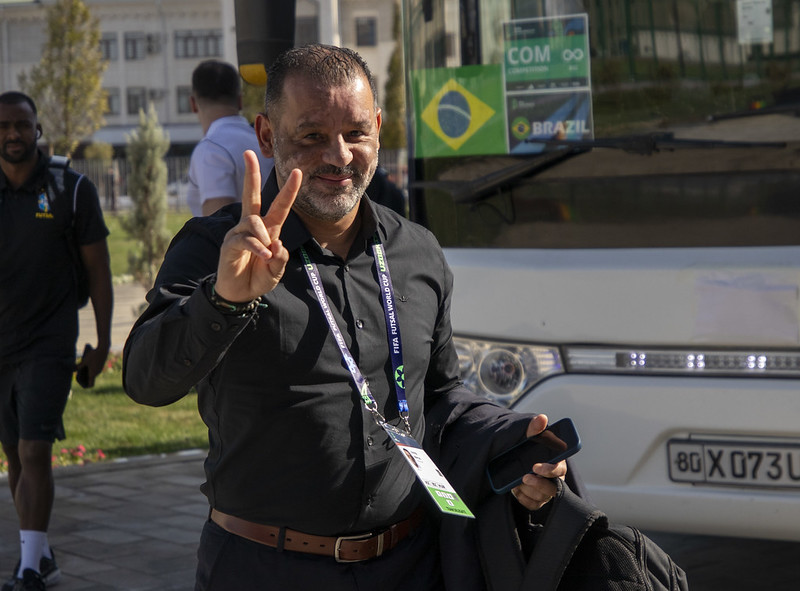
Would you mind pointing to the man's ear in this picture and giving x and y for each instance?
(193, 103)
(266, 138)
(39, 131)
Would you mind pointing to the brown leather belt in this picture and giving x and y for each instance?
(343, 548)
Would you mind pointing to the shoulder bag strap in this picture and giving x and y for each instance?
(569, 519)
(75, 199)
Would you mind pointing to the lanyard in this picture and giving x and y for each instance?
(392, 333)
(431, 477)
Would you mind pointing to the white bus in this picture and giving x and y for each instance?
(617, 187)
(616, 184)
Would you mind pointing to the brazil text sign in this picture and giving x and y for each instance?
(547, 81)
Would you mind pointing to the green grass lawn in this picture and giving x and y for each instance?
(102, 424)
(104, 418)
(120, 244)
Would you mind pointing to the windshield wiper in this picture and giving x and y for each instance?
(484, 186)
(646, 144)
(650, 143)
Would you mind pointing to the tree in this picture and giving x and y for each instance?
(147, 187)
(67, 82)
(99, 151)
(393, 130)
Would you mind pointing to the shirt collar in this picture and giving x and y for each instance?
(224, 120)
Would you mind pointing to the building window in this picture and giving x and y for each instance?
(366, 31)
(109, 47)
(306, 30)
(137, 99)
(184, 104)
(24, 41)
(154, 44)
(113, 101)
(135, 46)
(194, 44)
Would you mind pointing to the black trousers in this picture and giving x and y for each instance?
(227, 562)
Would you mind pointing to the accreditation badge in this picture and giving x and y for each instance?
(429, 475)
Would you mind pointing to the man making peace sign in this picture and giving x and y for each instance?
(284, 316)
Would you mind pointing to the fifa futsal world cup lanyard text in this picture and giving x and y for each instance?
(431, 477)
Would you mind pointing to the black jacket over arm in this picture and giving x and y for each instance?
(464, 432)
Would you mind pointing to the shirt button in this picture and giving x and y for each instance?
(359, 324)
(347, 268)
(370, 441)
(370, 500)
(216, 326)
(187, 362)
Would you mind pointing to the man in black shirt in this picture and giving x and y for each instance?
(286, 319)
(45, 224)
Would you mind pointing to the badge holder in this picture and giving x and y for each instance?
(440, 490)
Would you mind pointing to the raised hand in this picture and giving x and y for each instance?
(252, 258)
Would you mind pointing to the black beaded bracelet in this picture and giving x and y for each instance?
(232, 308)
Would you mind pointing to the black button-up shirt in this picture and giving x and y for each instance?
(291, 443)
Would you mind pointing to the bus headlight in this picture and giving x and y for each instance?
(504, 371)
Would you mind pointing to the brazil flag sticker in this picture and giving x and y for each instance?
(459, 111)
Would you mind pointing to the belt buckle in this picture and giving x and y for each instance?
(338, 545)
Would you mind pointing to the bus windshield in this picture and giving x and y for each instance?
(596, 124)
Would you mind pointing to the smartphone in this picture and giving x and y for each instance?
(82, 376)
(558, 442)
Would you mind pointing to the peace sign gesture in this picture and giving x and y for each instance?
(252, 258)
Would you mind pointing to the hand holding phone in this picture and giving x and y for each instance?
(558, 442)
(82, 375)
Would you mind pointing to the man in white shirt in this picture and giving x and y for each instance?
(216, 170)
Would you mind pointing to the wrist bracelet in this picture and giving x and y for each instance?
(233, 308)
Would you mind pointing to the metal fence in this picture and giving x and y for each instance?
(111, 180)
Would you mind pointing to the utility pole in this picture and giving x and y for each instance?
(329, 22)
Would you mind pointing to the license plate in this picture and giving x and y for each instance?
(731, 462)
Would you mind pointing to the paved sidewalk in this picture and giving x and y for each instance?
(122, 526)
(135, 526)
(128, 298)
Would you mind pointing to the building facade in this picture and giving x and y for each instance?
(152, 47)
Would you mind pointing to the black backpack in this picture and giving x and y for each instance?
(576, 548)
(57, 169)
